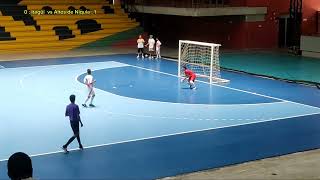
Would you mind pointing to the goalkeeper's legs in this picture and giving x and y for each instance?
(192, 84)
(92, 97)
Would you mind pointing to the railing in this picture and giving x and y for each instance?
(179, 3)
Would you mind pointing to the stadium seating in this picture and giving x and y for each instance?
(37, 25)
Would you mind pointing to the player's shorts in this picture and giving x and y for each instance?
(151, 49)
(140, 50)
(91, 92)
(75, 126)
(192, 78)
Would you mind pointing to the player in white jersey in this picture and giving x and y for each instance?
(151, 43)
(140, 43)
(88, 81)
(158, 44)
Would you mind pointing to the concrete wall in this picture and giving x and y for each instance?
(229, 31)
(237, 32)
(309, 23)
(310, 46)
(215, 11)
(310, 40)
(189, 3)
(233, 32)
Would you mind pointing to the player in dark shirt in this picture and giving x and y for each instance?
(73, 112)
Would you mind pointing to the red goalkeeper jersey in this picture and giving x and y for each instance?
(190, 74)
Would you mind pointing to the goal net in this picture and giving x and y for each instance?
(202, 58)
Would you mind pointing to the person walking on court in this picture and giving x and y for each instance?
(73, 112)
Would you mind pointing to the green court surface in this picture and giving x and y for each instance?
(277, 65)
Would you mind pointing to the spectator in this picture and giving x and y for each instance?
(20, 167)
(151, 43)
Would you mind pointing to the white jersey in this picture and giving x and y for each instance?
(158, 44)
(88, 80)
(140, 43)
(151, 43)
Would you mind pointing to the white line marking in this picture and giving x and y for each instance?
(76, 78)
(174, 76)
(126, 65)
(59, 65)
(33, 73)
(173, 134)
(96, 69)
(244, 91)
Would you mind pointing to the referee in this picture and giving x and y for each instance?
(73, 112)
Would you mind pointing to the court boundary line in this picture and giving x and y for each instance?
(38, 66)
(126, 65)
(173, 134)
(202, 119)
(46, 67)
(186, 104)
(244, 91)
(168, 135)
(235, 89)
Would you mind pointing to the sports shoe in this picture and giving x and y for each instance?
(138, 56)
(84, 105)
(91, 105)
(65, 150)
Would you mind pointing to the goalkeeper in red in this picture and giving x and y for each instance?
(191, 76)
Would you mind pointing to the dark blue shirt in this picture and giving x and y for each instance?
(73, 112)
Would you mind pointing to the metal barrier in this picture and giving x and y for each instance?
(177, 3)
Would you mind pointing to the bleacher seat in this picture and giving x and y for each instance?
(19, 29)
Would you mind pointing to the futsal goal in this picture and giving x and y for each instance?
(202, 58)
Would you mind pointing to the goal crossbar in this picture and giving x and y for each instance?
(202, 58)
(199, 43)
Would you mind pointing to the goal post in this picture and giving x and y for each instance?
(202, 58)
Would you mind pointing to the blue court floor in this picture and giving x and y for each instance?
(147, 124)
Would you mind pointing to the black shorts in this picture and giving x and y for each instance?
(140, 50)
(75, 127)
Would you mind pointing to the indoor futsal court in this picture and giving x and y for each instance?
(146, 123)
(235, 81)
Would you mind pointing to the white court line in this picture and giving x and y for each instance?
(180, 118)
(30, 74)
(235, 89)
(96, 69)
(168, 135)
(187, 132)
(46, 67)
(126, 65)
(58, 65)
(174, 76)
